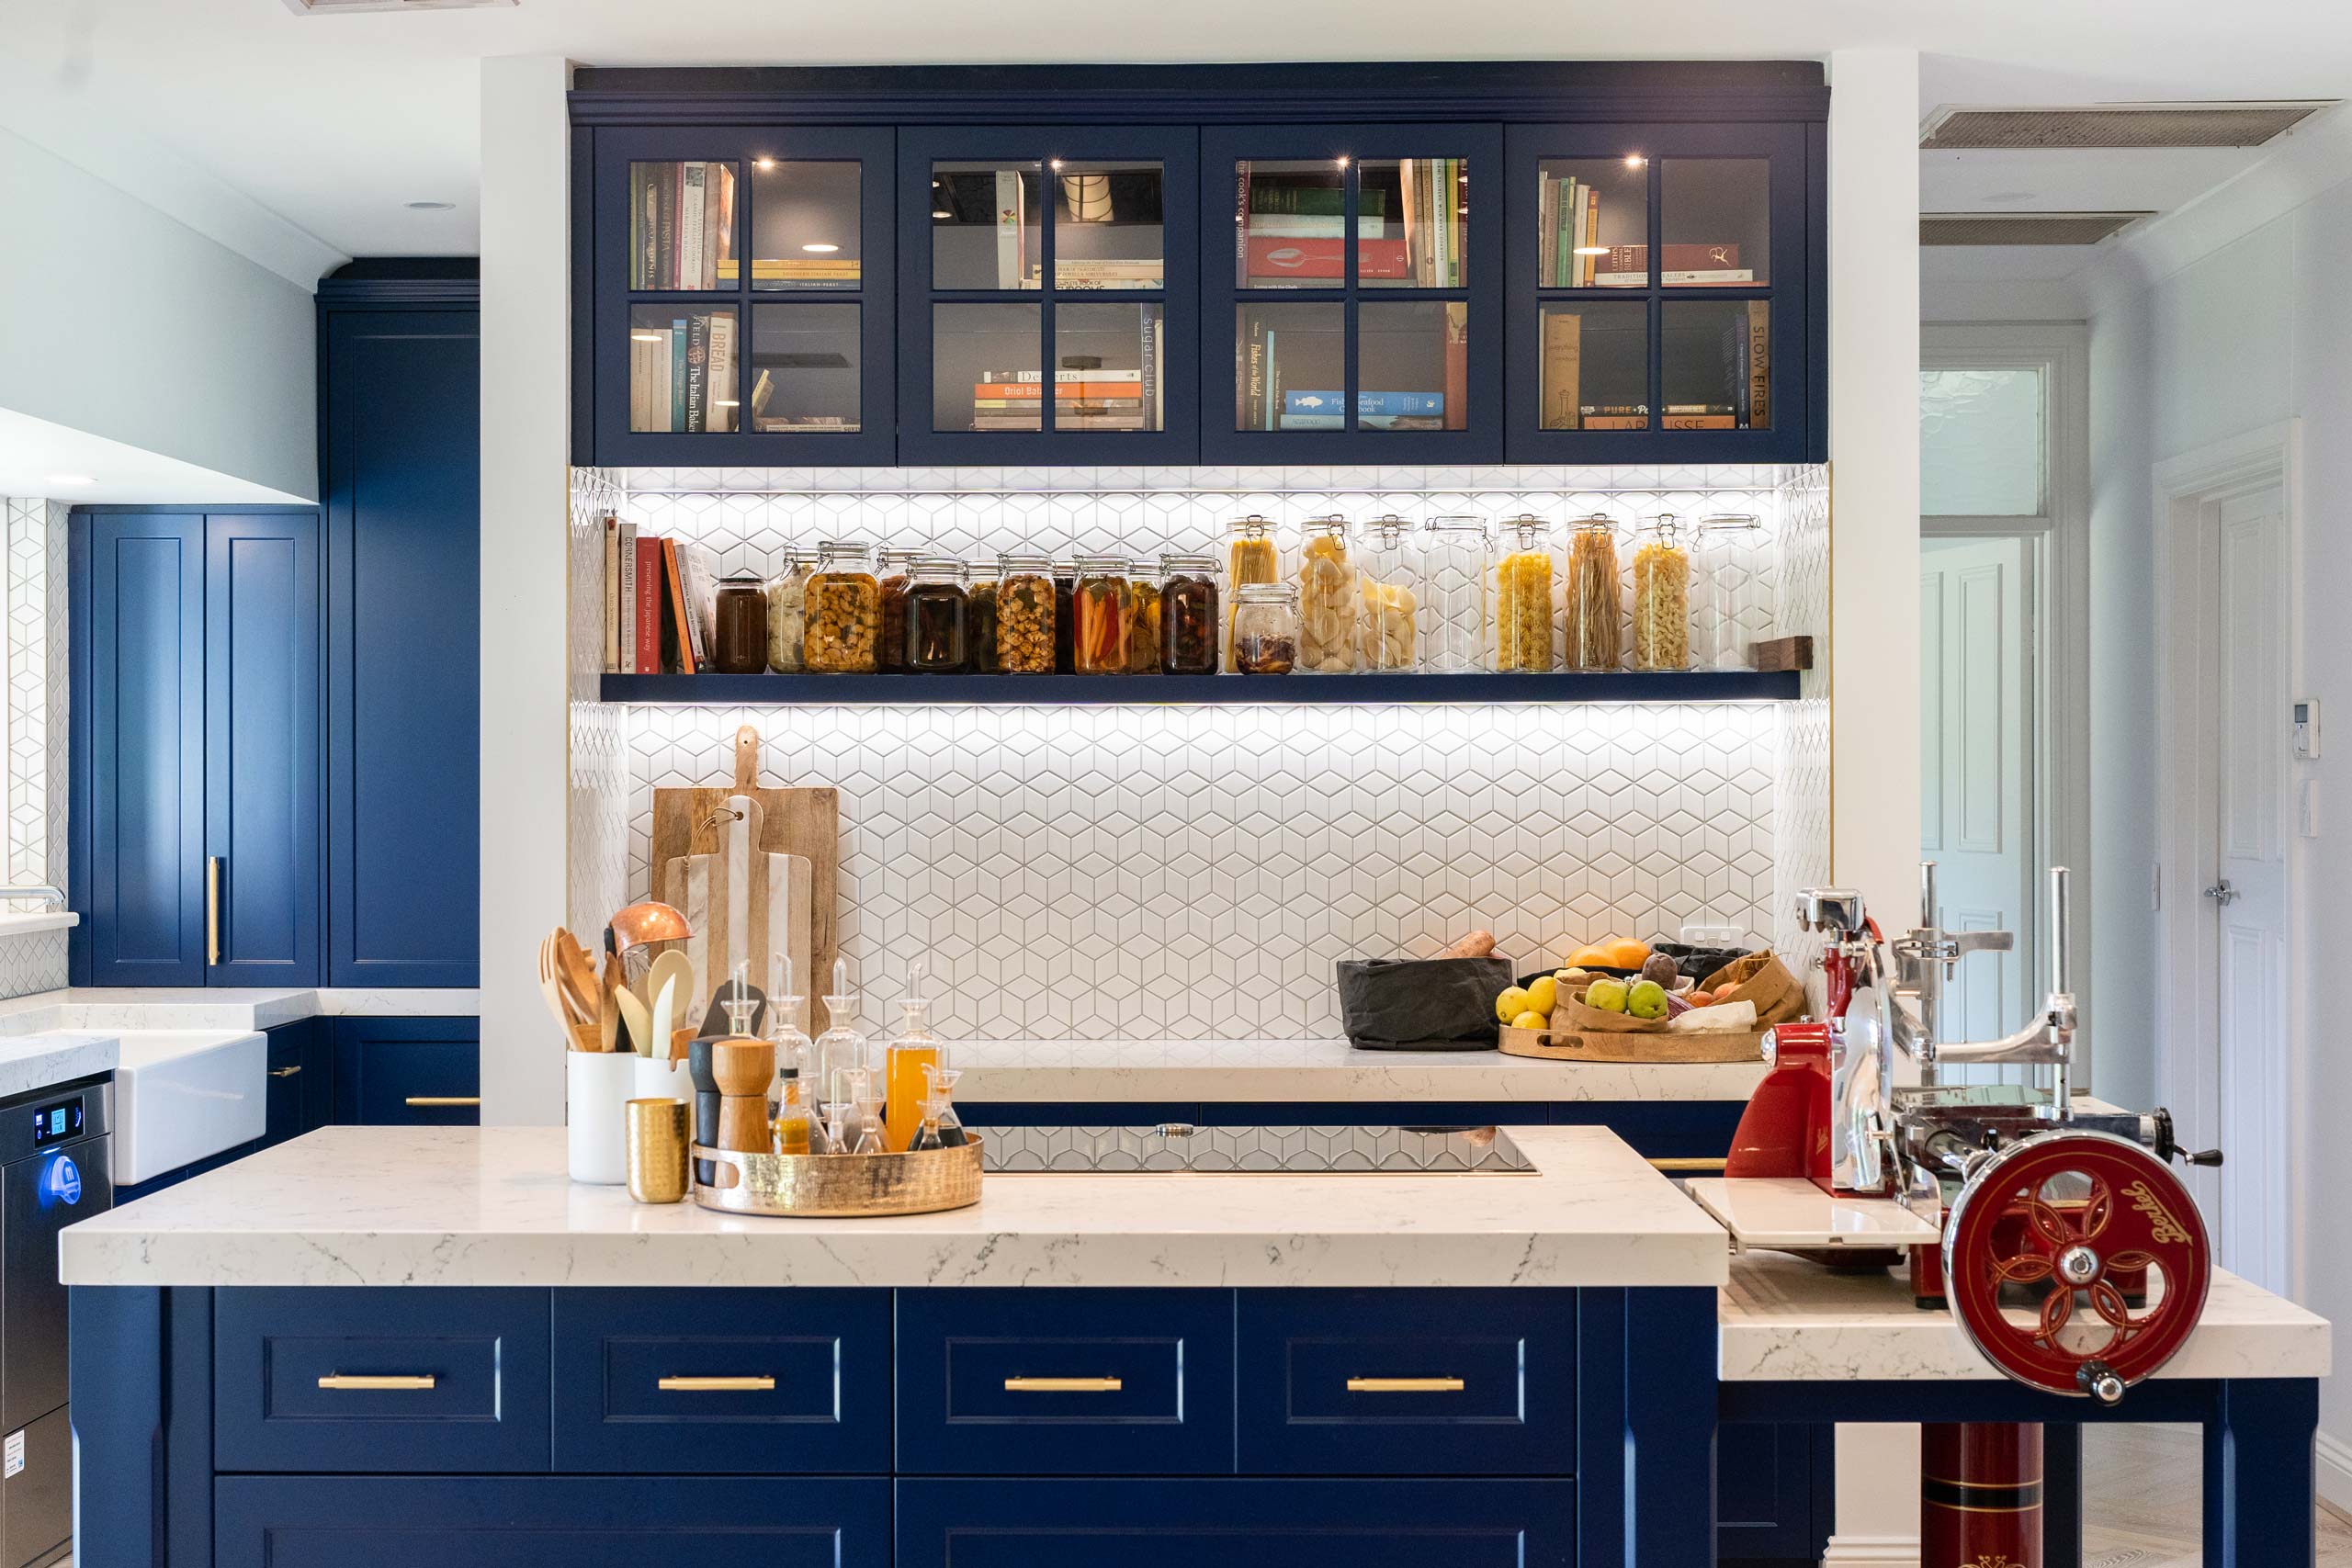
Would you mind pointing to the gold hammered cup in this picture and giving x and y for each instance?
(657, 1150)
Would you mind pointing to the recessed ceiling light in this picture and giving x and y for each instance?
(431, 206)
(764, 162)
(819, 247)
(70, 479)
(1634, 160)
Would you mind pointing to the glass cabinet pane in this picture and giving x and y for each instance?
(806, 226)
(1595, 366)
(681, 224)
(1716, 214)
(681, 368)
(1592, 226)
(1290, 365)
(1716, 368)
(1108, 366)
(1108, 230)
(805, 368)
(1413, 365)
(1293, 219)
(1412, 215)
(984, 220)
(984, 369)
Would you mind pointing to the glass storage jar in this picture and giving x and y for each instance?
(843, 610)
(1662, 595)
(1721, 562)
(935, 615)
(1188, 614)
(787, 594)
(1065, 616)
(1143, 619)
(895, 568)
(1251, 556)
(1523, 573)
(1595, 616)
(739, 619)
(1266, 628)
(1452, 619)
(1326, 598)
(1385, 632)
(980, 619)
(1025, 614)
(1099, 603)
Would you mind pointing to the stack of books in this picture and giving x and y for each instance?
(1435, 214)
(661, 603)
(682, 374)
(1266, 401)
(798, 272)
(1083, 399)
(1628, 266)
(681, 224)
(1078, 272)
(1291, 228)
(1567, 227)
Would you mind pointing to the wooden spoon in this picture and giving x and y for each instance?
(578, 976)
(636, 1021)
(552, 989)
(675, 970)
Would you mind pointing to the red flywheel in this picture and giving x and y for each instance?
(2048, 1245)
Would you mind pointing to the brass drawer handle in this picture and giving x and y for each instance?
(715, 1385)
(1063, 1385)
(1681, 1161)
(436, 1099)
(294, 1071)
(1404, 1385)
(396, 1382)
(212, 910)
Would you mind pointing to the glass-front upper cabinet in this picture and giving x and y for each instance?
(1347, 268)
(1061, 257)
(1656, 283)
(743, 287)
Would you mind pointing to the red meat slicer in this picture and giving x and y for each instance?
(2052, 1217)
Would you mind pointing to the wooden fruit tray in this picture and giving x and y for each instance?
(1660, 1045)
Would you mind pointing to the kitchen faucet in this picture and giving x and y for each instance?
(41, 891)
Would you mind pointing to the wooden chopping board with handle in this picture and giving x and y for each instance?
(744, 904)
(793, 822)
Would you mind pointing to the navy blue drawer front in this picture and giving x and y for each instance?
(373, 1380)
(393, 1072)
(547, 1522)
(723, 1380)
(1065, 1383)
(1444, 1382)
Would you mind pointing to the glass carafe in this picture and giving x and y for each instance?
(792, 1098)
(907, 1063)
(950, 1126)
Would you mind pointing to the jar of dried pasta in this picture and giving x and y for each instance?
(1188, 614)
(1099, 606)
(1662, 595)
(1595, 615)
(1326, 598)
(1025, 614)
(843, 608)
(1142, 618)
(788, 598)
(1251, 556)
(1523, 573)
(1386, 631)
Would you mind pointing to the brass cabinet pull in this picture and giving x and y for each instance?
(1063, 1385)
(432, 1100)
(294, 1071)
(1404, 1385)
(393, 1382)
(212, 911)
(1686, 1163)
(715, 1385)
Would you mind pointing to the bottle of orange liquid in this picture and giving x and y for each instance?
(908, 1063)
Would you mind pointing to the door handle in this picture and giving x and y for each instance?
(1404, 1385)
(431, 1101)
(212, 911)
(294, 1071)
(2222, 894)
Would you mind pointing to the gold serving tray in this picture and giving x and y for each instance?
(841, 1186)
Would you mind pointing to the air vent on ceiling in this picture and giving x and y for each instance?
(2023, 228)
(346, 7)
(2113, 126)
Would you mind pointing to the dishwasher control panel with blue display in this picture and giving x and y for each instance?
(55, 1123)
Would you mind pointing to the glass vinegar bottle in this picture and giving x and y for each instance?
(840, 1050)
(908, 1064)
(792, 1109)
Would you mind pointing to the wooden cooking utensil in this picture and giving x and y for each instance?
(637, 1024)
(676, 971)
(552, 990)
(742, 1069)
(608, 1021)
(578, 974)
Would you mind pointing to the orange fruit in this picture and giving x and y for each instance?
(1626, 953)
(1595, 956)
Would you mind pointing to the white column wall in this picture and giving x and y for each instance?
(525, 430)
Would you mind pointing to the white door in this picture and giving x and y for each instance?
(2250, 736)
(1976, 662)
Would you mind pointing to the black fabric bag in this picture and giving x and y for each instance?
(1422, 1004)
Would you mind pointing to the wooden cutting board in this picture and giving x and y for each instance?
(803, 822)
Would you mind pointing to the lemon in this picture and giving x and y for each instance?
(1543, 993)
(1511, 1004)
(1530, 1020)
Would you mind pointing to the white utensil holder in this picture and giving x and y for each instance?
(658, 1079)
(597, 1084)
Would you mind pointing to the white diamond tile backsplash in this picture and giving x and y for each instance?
(30, 961)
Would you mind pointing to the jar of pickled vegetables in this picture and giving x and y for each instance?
(1250, 556)
(1143, 619)
(936, 616)
(1452, 620)
(787, 593)
(843, 609)
(1385, 632)
(1100, 606)
(1595, 612)
(895, 568)
(1025, 614)
(1326, 598)
(1662, 595)
(1523, 573)
(1266, 628)
(980, 619)
(1188, 614)
(1723, 559)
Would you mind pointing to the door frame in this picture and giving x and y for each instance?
(2186, 492)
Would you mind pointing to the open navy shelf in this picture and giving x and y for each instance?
(1620, 686)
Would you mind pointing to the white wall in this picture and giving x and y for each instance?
(132, 326)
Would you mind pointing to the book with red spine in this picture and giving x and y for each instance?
(647, 623)
(684, 629)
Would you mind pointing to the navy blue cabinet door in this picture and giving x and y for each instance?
(402, 488)
(420, 1072)
(261, 746)
(138, 747)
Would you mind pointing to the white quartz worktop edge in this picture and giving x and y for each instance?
(43, 1061)
(160, 1006)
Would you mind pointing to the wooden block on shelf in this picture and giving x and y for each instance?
(1781, 653)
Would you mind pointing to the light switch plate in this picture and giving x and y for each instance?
(2307, 728)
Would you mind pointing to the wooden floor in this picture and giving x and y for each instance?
(2141, 1498)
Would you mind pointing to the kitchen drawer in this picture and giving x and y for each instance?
(1235, 1524)
(1405, 1382)
(547, 1522)
(399, 1072)
(1065, 1382)
(785, 1381)
(470, 1369)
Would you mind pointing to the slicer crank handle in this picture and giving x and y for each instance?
(2201, 1157)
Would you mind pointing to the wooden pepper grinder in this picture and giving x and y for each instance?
(744, 1069)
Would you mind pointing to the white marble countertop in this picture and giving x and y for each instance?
(41, 1060)
(491, 1206)
(1786, 1320)
(1294, 1070)
(162, 1007)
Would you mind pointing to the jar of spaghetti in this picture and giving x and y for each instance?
(1523, 573)
(1099, 606)
(1251, 556)
(1188, 614)
(1596, 612)
(843, 610)
(1662, 595)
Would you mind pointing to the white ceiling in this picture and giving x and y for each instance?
(298, 139)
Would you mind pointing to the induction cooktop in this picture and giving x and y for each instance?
(1273, 1151)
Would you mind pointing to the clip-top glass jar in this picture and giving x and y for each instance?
(1326, 598)
(788, 596)
(1662, 595)
(739, 619)
(1266, 628)
(1188, 614)
(895, 568)
(1385, 630)
(1523, 572)
(1454, 593)
(936, 616)
(1142, 618)
(1251, 556)
(1098, 605)
(843, 610)
(1025, 614)
(1723, 560)
(980, 619)
(1596, 609)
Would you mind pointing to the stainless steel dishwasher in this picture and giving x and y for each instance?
(55, 1168)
